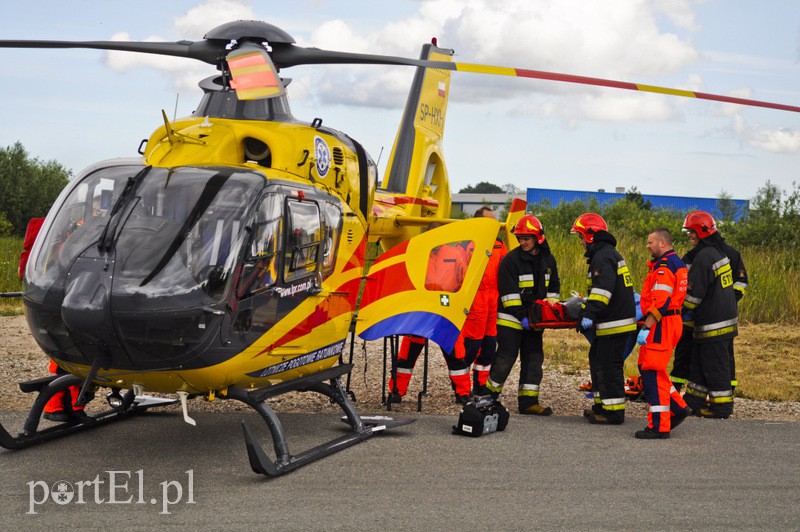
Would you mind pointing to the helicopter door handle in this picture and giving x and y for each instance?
(306, 153)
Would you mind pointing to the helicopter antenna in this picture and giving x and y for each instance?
(175, 112)
(379, 157)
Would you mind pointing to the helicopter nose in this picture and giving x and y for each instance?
(85, 309)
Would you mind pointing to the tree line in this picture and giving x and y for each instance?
(28, 187)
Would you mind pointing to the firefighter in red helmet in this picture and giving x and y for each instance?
(611, 310)
(716, 278)
(526, 274)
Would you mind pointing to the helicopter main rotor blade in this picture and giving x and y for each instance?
(208, 51)
(289, 55)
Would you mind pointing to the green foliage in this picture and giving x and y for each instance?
(28, 187)
(483, 187)
(767, 238)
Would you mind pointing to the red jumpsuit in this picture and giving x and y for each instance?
(662, 296)
(480, 329)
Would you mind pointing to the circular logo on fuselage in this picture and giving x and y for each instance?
(323, 156)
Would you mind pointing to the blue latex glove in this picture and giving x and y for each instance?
(641, 338)
(526, 324)
(586, 323)
(687, 315)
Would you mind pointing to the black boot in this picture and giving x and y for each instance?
(650, 434)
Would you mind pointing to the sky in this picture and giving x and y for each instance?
(82, 106)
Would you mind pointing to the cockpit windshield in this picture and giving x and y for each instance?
(179, 233)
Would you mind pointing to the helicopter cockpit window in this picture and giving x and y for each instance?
(333, 228)
(80, 220)
(185, 232)
(302, 239)
(447, 266)
(263, 257)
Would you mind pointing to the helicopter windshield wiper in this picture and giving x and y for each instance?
(109, 232)
(210, 191)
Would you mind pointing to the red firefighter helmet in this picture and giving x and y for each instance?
(701, 223)
(588, 224)
(529, 225)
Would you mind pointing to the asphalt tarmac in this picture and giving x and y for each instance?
(155, 471)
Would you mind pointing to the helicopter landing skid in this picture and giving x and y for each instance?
(47, 387)
(362, 427)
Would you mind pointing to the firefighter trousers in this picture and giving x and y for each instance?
(710, 377)
(682, 365)
(458, 366)
(606, 360)
(528, 345)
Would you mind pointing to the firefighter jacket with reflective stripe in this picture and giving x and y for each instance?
(522, 279)
(610, 303)
(738, 270)
(709, 294)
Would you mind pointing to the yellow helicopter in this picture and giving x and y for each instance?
(227, 262)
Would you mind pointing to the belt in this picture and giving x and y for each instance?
(671, 312)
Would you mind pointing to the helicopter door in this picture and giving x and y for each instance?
(425, 286)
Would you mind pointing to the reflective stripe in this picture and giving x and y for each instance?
(553, 295)
(720, 265)
(734, 383)
(532, 387)
(664, 287)
(526, 281)
(508, 320)
(494, 386)
(728, 399)
(718, 325)
(511, 300)
(659, 408)
(507, 317)
(693, 300)
(408, 371)
(678, 380)
(476, 367)
(614, 401)
(720, 393)
(616, 326)
(738, 285)
(457, 372)
(621, 264)
(600, 292)
(528, 393)
(718, 332)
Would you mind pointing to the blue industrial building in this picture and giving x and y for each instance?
(678, 203)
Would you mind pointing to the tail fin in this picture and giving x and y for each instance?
(416, 184)
(515, 212)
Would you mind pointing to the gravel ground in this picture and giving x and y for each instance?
(22, 360)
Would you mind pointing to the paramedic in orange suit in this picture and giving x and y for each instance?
(662, 298)
(480, 328)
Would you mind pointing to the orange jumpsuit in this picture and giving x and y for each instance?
(480, 329)
(662, 296)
